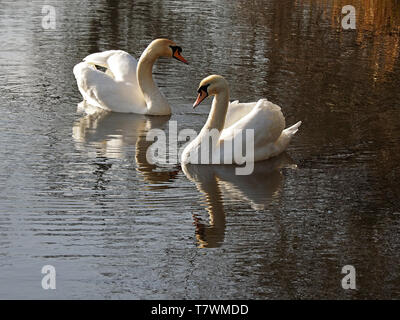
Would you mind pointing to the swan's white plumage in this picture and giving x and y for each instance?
(236, 111)
(120, 63)
(127, 85)
(268, 123)
(265, 118)
(109, 92)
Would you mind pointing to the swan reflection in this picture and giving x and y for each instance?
(108, 135)
(219, 182)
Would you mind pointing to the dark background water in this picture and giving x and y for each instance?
(77, 192)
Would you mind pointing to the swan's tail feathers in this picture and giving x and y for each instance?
(293, 129)
(100, 58)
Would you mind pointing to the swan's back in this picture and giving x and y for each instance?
(270, 119)
(120, 63)
(116, 89)
(270, 136)
(236, 111)
(265, 118)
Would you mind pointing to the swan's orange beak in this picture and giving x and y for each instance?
(202, 95)
(178, 56)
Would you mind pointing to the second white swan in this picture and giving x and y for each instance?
(126, 86)
(230, 119)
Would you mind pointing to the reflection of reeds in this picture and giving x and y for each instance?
(372, 15)
(379, 19)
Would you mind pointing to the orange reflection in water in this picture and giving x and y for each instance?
(376, 19)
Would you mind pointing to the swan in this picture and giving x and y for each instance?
(264, 117)
(126, 86)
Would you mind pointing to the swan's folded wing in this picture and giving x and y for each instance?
(265, 118)
(121, 64)
(94, 85)
(100, 58)
(237, 111)
(102, 91)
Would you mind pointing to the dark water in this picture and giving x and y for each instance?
(77, 192)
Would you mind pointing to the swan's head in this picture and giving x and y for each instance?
(210, 86)
(166, 48)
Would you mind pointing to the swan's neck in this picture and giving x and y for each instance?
(155, 101)
(219, 108)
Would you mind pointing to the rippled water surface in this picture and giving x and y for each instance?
(77, 192)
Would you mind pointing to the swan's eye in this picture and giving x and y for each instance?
(176, 53)
(203, 88)
(176, 48)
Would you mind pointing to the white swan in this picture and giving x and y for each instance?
(266, 118)
(126, 86)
